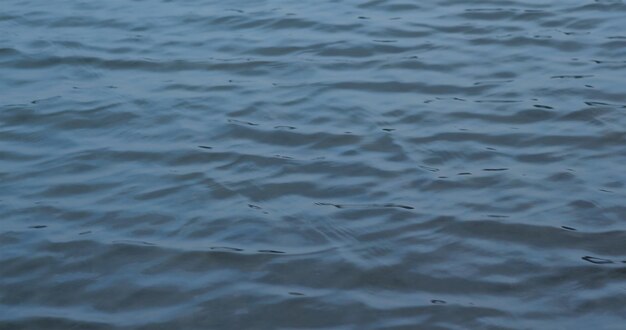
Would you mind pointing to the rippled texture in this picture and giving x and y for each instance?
(321, 164)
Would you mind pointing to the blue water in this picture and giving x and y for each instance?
(312, 164)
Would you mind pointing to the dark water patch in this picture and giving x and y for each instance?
(597, 261)
(571, 76)
(341, 206)
(271, 251)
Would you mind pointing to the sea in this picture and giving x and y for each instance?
(312, 164)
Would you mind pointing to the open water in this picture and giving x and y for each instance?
(356, 164)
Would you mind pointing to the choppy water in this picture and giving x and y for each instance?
(312, 164)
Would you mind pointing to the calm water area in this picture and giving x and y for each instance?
(322, 164)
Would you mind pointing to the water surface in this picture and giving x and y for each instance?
(321, 164)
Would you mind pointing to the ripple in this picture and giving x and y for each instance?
(324, 164)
